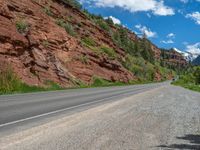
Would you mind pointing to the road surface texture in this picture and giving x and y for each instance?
(160, 116)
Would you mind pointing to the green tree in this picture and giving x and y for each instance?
(73, 3)
(109, 21)
(197, 75)
(146, 51)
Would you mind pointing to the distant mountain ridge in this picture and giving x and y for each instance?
(196, 61)
(189, 57)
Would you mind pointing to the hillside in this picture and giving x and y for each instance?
(55, 41)
(173, 59)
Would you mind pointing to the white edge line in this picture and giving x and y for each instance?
(54, 112)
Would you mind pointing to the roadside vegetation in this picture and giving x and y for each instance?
(190, 79)
(10, 83)
(67, 26)
(139, 58)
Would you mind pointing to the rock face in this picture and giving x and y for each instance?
(39, 50)
(173, 58)
(46, 51)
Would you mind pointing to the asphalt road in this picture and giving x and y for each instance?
(154, 116)
(24, 108)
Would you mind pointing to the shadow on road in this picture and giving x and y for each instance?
(192, 140)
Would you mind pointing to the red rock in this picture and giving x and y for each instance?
(46, 52)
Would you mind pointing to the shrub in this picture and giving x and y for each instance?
(140, 68)
(8, 81)
(109, 21)
(73, 3)
(52, 85)
(68, 27)
(99, 81)
(22, 26)
(89, 41)
(103, 25)
(48, 11)
(109, 51)
(197, 75)
(84, 59)
(45, 43)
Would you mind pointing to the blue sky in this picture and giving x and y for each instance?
(167, 23)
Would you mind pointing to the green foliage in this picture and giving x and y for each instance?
(197, 75)
(109, 21)
(146, 52)
(84, 59)
(117, 39)
(73, 3)
(91, 44)
(109, 51)
(67, 26)
(22, 26)
(89, 41)
(140, 68)
(53, 86)
(102, 24)
(134, 48)
(48, 11)
(9, 83)
(99, 82)
(144, 70)
(45, 43)
(190, 79)
(164, 71)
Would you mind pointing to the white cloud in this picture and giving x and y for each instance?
(171, 35)
(146, 31)
(168, 42)
(169, 39)
(184, 1)
(194, 16)
(163, 10)
(156, 7)
(115, 20)
(194, 49)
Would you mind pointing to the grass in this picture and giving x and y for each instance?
(190, 86)
(67, 26)
(99, 82)
(11, 84)
(48, 11)
(109, 51)
(84, 59)
(103, 49)
(21, 26)
(89, 41)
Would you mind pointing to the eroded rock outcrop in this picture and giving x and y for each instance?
(43, 51)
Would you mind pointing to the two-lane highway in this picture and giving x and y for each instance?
(19, 108)
(154, 116)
